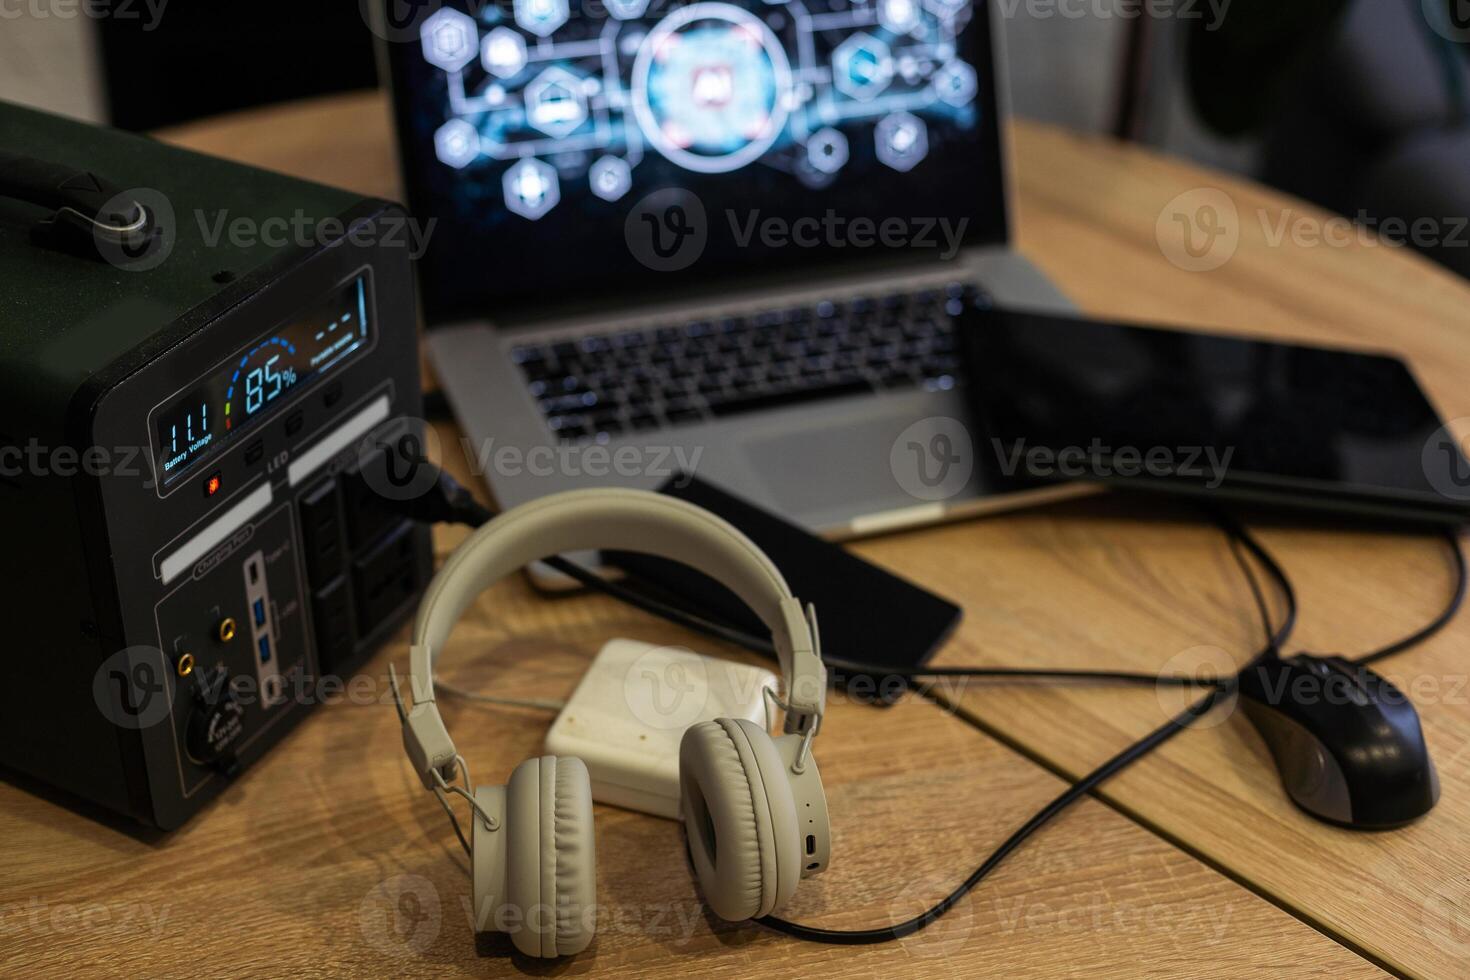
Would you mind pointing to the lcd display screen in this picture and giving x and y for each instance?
(246, 389)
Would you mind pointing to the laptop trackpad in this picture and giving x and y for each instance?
(813, 471)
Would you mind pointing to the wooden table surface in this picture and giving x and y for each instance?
(326, 859)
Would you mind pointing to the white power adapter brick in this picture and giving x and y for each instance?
(631, 709)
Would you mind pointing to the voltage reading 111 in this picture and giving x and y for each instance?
(189, 429)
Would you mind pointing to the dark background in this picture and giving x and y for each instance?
(1358, 106)
(206, 58)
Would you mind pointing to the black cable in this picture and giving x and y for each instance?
(1238, 532)
(1257, 594)
(455, 504)
(1239, 538)
(1276, 639)
(450, 502)
(1457, 599)
(1020, 673)
(459, 505)
(1119, 762)
(1457, 556)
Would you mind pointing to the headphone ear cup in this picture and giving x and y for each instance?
(575, 854)
(551, 862)
(739, 817)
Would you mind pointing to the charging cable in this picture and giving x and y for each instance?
(450, 502)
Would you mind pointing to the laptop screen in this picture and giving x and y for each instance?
(578, 150)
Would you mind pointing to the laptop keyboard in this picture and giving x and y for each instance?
(669, 374)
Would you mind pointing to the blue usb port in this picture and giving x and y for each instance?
(259, 610)
(265, 649)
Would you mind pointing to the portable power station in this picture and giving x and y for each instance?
(205, 371)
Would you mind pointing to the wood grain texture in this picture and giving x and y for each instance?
(1109, 582)
(1137, 583)
(328, 859)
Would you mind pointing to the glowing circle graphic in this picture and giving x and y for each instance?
(711, 87)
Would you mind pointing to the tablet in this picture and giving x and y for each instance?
(1209, 414)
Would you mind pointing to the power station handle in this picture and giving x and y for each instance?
(90, 211)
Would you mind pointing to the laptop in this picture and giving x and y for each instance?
(726, 237)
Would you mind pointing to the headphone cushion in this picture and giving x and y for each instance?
(574, 855)
(738, 808)
(551, 874)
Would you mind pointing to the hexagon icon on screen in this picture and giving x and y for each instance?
(902, 140)
(610, 177)
(457, 143)
(555, 102)
(450, 39)
(503, 52)
(862, 66)
(531, 188)
(899, 16)
(626, 9)
(955, 83)
(826, 150)
(541, 17)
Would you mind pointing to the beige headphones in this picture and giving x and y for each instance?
(753, 806)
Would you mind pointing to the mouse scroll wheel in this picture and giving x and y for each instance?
(1352, 678)
(1311, 664)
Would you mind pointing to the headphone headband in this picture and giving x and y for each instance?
(614, 520)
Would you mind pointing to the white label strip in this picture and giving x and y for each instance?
(343, 436)
(215, 532)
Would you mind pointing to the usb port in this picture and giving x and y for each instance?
(265, 649)
(259, 610)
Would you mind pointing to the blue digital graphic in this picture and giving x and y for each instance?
(548, 93)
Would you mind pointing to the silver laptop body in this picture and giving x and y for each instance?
(845, 465)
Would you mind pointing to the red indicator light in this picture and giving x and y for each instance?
(212, 485)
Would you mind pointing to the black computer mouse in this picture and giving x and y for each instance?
(1347, 743)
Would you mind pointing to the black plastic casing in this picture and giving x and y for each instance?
(93, 703)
